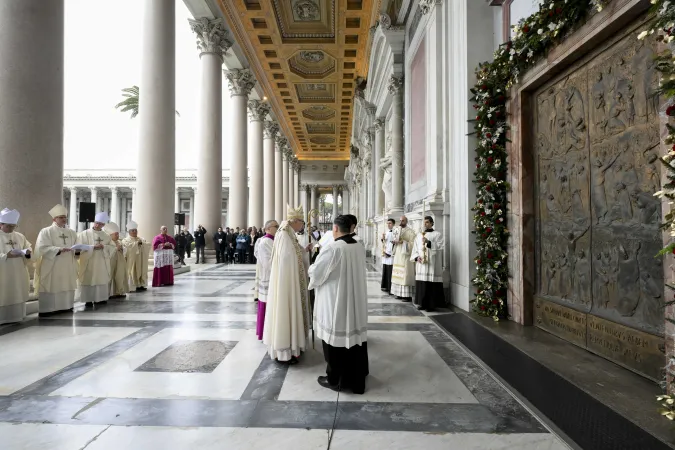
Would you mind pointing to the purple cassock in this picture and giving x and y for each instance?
(162, 274)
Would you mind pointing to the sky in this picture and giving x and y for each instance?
(102, 56)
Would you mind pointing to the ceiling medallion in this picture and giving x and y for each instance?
(312, 56)
(316, 87)
(306, 11)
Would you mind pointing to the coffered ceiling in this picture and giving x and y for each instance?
(307, 55)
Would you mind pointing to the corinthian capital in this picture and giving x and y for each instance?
(240, 81)
(257, 110)
(395, 84)
(378, 124)
(281, 142)
(211, 36)
(270, 129)
(426, 5)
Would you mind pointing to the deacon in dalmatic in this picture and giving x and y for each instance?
(403, 272)
(138, 252)
(119, 285)
(263, 255)
(287, 319)
(15, 258)
(387, 256)
(427, 255)
(94, 271)
(56, 268)
(338, 276)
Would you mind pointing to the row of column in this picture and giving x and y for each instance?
(310, 199)
(113, 205)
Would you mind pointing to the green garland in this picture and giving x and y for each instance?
(533, 37)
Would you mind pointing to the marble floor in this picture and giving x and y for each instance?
(180, 368)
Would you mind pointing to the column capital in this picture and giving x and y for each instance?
(395, 84)
(257, 110)
(281, 142)
(427, 5)
(133, 190)
(378, 124)
(240, 81)
(211, 36)
(114, 190)
(270, 129)
(194, 190)
(73, 189)
(93, 189)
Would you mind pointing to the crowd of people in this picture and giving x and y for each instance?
(232, 245)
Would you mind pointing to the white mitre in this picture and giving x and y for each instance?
(58, 210)
(101, 217)
(111, 227)
(9, 216)
(131, 225)
(295, 214)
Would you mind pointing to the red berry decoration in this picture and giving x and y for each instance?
(489, 159)
(492, 122)
(488, 135)
(495, 302)
(478, 262)
(477, 117)
(489, 255)
(482, 307)
(526, 29)
(483, 215)
(489, 230)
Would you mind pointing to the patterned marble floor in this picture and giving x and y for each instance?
(180, 368)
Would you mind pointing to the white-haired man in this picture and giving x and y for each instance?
(287, 319)
(15, 254)
(138, 252)
(94, 272)
(263, 255)
(119, 285)
(56, 267)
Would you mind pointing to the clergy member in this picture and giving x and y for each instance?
(163, 246)
(428, 267)
(56, 268)
(338, 276)
(119, 284)
(263, 255)
(94, 272)
(15, 256)
(403, 271)
(387, 256)
(287, 319)
(138, 252)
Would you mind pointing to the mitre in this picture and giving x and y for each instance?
(9, 216)
(131, 225)
(58, 210)
(111, 227)
(101, 217)
(295, 214)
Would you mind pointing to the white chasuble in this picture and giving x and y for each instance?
(263, 254)
(388, 248)
(338, 277)
(287, 316)
(432, 270)
(403, 272)
(94, 273)
(138, 253)
(55, 271)
(14, 277)
(119, 284)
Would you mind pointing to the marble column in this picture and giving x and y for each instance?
(94, 197)
(278, 176)
(379, 154)
(270, 130)
(133, 205)
(212, 43)
(123, 215)
(176, 203)
(240, 82)
(335, 201)
(192, 211)
(156, 174)
(298, 190)
(314, 203)
(395, 88)
(304, 193)
(284, 182)
(258, 110)
(114, 206)
(31, 115)
(72, 216)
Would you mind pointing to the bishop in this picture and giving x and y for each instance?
(403, 271)
(138, 252)
(15, 257)
(119, 285)
(94, 271)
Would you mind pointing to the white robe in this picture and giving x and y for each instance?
(138, 252)
(55, 274)
(338, 277)
(263, 255)
(14, 277)
(388, 248)
(119, 283)
(287, 317)
(303, 241)
(94, 272)
(403, 272)
(432, 270)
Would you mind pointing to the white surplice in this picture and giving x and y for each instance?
(338, 277)
(94, 272)
(14, 277)
(287, 317)
(432, 270)
(138, 253)
(55, 271)
(388, 247)
(263, 254)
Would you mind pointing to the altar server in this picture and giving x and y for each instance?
(263, 256)
(15, 258)
(427, 255)
(338, 276)
(403, 272)
(387, 256)
(138, 252)
(56, 268)
(94, 272)
(119, 284)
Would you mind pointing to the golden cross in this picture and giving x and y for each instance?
(63, 236)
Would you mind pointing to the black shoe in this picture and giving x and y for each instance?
(323, 381)
(46, 314)
(103, 302)
(89, 304)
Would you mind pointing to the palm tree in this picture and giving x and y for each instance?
(130, 102)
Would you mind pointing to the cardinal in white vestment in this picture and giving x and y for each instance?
(138, 253)
(387, 256)
(426, 254)
(55, 278)
(119, 284)
(287, 319)
(338, 276)
(263, 255)
(403, 271)
(94, 272)
(15, 258)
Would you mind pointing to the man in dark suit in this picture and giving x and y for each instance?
(220, 245)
